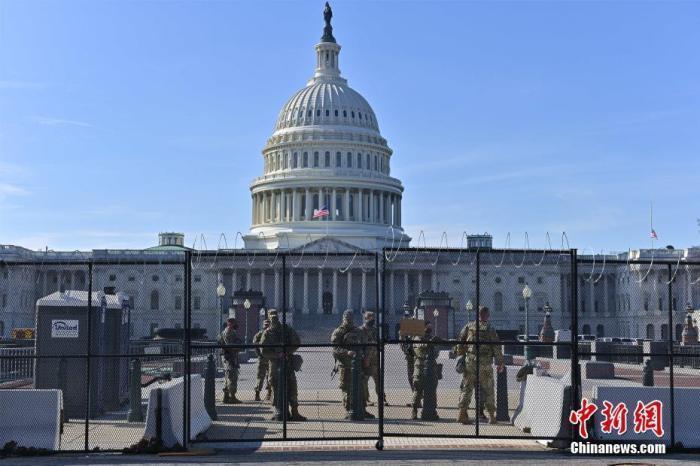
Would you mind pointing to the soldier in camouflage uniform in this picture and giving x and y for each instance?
(488, 354)
(424, 354)
(263, 365)
(230, 359)
(371, 367)
(343, 336)
(278, 334)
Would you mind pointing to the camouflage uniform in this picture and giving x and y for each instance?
(407, 348)
(488, 354)
(371, 366)
(343, 357)
(275, 356)
(231, 364)
(424, 353)
(263, 366)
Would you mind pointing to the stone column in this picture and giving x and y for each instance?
(399, 211)
(319, 309)
(248, 281)
(295, 205)
(307, 210)
(234, 280)
(405, 286)
(420, 282)
(371, 207)
(392, 303)
(363, 302)
(305, 302)
(335, 292)
(381, 207)
(605, 296)
(346, 211)
(262, 281)
(278, 303)
(348, 302)
(332, 206)
(360, 206)
(291, 289)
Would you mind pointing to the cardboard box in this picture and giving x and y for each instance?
(412, 327)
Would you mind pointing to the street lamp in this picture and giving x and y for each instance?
(527, 294)
(221, 292)
(436, 313)
(246, 306)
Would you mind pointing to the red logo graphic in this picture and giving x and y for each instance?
(581, 416)
(649, 417)
(615, 418)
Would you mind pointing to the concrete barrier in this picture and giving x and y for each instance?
(32, 418)
(545, 408)
(171, 412)
(687, 405)
(598, 370)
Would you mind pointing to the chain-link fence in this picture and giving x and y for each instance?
(95, 352)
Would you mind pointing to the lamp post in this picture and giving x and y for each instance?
(469, 307)
(436, 313)
(527, 294)
(221, 292)
(246, 306)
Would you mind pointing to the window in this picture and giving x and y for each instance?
(178, 278)
(295, 160)
(369, 166)
(338, 159)
(316, 161)
(328, 112)
(198, 278)
(112, 278)
(586, 330)
(359, 160)
(521, 280)
(178, 302)
(359, 115)
(375, 163)
(197, 302)
(132, 278)
(328, 159)
(540, 280)
(305, 160)
(155, 278)
(155, 304)
(352, 113)
(4, 299)
(131, 301)
(498, 301)
(498, 279)
(650, 332)
(336, 113)
(348, 160)
(600, 331)
(318, 113)
(345, 113)
(661, 304)
(595, 305)
(309, 113)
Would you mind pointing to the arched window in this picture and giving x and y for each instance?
(664, 332)
(586, 330)
(305, 160)
(316, 161)
(349, 159)
(498, 301)
(650, 331)
(295, 160)
(338, 205)
(369, 166)
(155, 300)
(2, 328)
(328, 112)
(375, 163)
(351, 215)
(345, 113)
(359, 160)
(338, 159)
(327, 159)
(336, 113)
(318, 112)
(599, 331)
(352, 113)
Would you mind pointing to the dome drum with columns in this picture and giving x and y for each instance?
(326, 152)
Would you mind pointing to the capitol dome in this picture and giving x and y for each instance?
(326, 168)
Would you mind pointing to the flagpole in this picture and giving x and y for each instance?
(651, 223)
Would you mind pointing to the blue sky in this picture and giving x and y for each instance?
(122, 119)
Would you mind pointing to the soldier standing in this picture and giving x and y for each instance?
(425, 353)
(263, 365)
(371, 366)
(488, 354)
(230, 359)
(343, 356)
(278, 334)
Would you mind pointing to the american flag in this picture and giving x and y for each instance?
(653, 234)
(321, 212)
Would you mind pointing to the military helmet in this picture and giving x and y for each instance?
(369, 315)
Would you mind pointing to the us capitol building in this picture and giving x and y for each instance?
(326, 155)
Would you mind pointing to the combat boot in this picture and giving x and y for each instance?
(234, 401)
(268, 395)
(414, 413)
(368, 415)
(295, 415)
(492, 419)
(257, 395)
(227, 399)
(463, 416)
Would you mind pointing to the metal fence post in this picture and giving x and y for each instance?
(283, 379)
(380, 352)
(477, 391)
(670, 355)
(88, 398)
(187, 350)
(575, 372)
